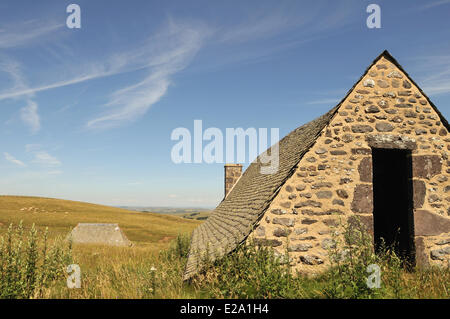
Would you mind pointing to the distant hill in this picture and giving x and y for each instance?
(189, 213)
(60, 216)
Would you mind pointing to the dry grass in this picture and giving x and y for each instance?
(60, 216)
(107, 272)
(153, 267)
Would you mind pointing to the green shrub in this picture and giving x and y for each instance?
(162, 278)
(253, 272)
(180, 247)
(27, 264)
(348, 274)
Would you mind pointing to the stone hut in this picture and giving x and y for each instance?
(92, 233)
(381, 154)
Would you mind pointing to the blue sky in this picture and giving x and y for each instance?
(86, 114)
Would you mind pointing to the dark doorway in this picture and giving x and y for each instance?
(393, 219)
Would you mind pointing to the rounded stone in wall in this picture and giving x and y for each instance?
(372, 109)
(384, 127)
(347, 138)
(311, 260)
(395, 74)
(331, 222)
(369, 83)
(342, 193)
(309, 221)
(300, 231)
(361, 128)
(434, 198)
(321, 150)
(406, 84)
(395, 83)
(339, 202)
(284, 221)
(281, 232)
(383, 104)
(440, 254)
(299, 247)
(278, 211)
(324, 194)
(267, 242)
(383, 84)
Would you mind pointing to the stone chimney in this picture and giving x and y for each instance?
(232, 174)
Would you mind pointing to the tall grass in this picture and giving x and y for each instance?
(28, 263)
(31, 268)
(350, 259)
(249, 272)
(252, 272)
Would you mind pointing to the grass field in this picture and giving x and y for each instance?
(103, 267)
(154, 265)
(150, 230)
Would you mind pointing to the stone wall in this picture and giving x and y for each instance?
(232, 173)
(333, 181)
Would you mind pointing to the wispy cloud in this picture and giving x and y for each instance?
(267, 22)
(13, 160)
(45, 159)
(331, 101)
(94, 72)
(165, 54)
(161, 56)
(434, 4)
(11, 37)
(32, 147)
(286, 25)
(261, 25)
(26, 33)
(435, 72)
(173, 50)
(28, 113)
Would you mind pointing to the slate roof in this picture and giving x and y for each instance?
(235, 217)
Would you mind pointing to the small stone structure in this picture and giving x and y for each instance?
(382, 154)
(107, 234)
(232, 174)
